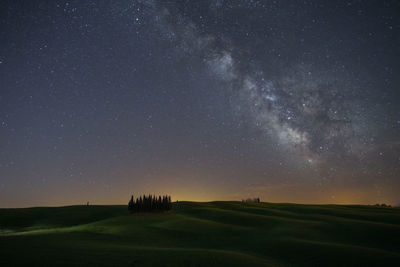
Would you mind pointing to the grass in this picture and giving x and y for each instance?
(202, 234)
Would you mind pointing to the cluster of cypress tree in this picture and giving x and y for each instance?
(150, 203)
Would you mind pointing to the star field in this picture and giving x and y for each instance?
(204, 100)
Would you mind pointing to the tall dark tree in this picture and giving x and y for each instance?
(131, 205)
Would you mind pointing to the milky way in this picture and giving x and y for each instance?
(202, 100)
(318, 112)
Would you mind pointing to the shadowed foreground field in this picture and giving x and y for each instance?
(201, 234)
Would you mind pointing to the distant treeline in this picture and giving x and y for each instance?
(256, 200)
(383, 205)
(149, 203)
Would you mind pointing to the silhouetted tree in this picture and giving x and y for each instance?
(131, 205)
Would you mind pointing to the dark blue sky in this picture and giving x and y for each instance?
(294, 101)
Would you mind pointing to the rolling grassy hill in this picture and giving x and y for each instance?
(201, 234)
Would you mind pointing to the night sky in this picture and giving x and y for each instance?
(289, 101)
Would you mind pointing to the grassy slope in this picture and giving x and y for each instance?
(201, 234)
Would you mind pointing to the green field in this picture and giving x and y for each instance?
(202, 234)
